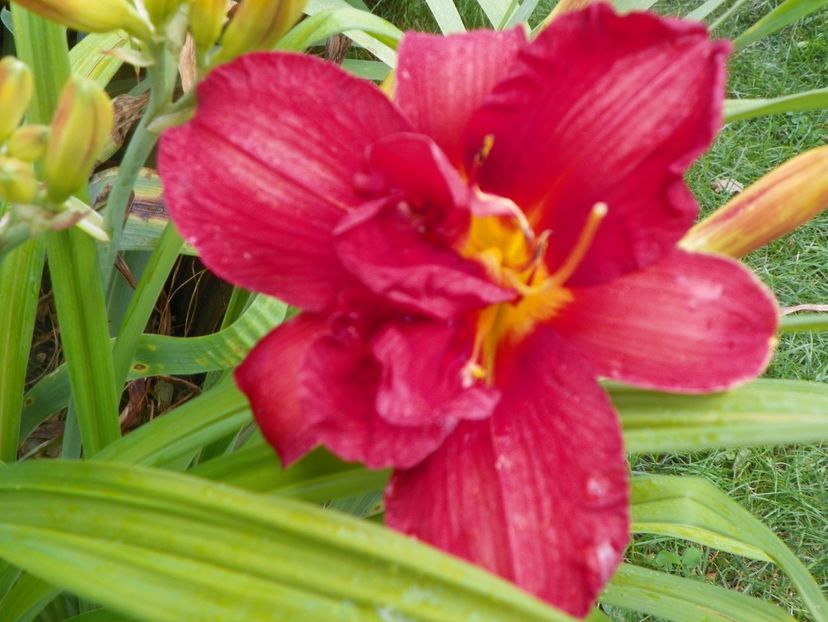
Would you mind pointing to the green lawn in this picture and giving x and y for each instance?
(786, 487)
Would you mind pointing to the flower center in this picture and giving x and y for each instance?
(515, 258)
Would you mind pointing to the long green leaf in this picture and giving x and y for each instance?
(803, 322)
(379, 49)
(496, 11)
(783, 15)
(322, 25)
(160, 546)
(685, 600)
(26, 599)
(446, 15)
(42, 45)
(739, 109)
(162, 355)
(693, 509)
(705, 9)
(765, 412)
(92, 57)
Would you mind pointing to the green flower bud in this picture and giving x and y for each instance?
(18, 183)
(16, 85)
(28, 142)
(160, 11)
(207, 18)
(258, 25)
(92, 15)
(80, 129)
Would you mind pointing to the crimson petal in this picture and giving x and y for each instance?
(287, 133)
(539, 492)
(401, 247)
(441, 80)
(422, 375)
(338, 389)
(604, 108)
(689, 323)
(269, 376)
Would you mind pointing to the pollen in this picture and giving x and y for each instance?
(516, 258)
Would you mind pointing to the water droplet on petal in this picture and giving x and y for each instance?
(601, 560)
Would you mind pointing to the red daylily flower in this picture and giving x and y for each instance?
(470, 257)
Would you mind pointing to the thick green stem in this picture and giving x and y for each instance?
(140, 147)
(84, 333)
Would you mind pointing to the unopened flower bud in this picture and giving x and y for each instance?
(92, 15)
(28, 142)
(258, 25)
(778, 203)
(16, 85)
(160, 11)
(18, 183)
(80, 129)
(207, 18)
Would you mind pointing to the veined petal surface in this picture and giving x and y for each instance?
(259, 178)
(689, 322)
(441, 80)
(539, 492)
(603, 108)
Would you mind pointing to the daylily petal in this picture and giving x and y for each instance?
(603, 108)
(441, 80)
(400, 247)
(287, 133)
(269, 376)
(422, 375)
(690, 323)
(338, 389)
(539, 492)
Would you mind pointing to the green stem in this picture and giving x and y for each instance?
(84, 333)
(143, 301)
(42, 45)
(140, 147)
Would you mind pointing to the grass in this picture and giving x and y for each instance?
(784, 486)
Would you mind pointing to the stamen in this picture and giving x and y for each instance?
(481, 155)
(485, 204)
(576, 255)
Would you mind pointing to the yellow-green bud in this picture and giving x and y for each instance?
(28, 142)
(207, 18)
(82, 124)
(258, 25)
(787, 197)
(160, 11)
(18, 183)
(92, 15)
(16, 85)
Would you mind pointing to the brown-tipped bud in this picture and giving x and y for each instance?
(778, 203)
(16, 85)
(92, 15)
(207, 18)
(29, 142)
(18, 183)
(258, 25)
(80, 129)
(160, 11)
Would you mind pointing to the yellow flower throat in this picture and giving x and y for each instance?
(515, 258)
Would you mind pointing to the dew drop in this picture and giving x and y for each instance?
(601, 560)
